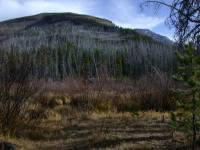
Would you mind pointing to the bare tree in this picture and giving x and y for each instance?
(15, 92)
(184, 17)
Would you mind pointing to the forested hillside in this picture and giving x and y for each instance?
(65, 44)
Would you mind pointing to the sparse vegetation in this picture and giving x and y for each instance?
(16, 90)
(100, 114)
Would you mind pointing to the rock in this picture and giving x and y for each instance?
(56, 102)
(45, 99)
(52, 115)
(66, 100)
(7, 146)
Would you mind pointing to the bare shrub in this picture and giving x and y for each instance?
(92, 102)
(125, 103)
(68, 85)
(16, 90)
(150, 92)
(154, 92)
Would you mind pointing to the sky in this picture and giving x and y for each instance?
(124, 13)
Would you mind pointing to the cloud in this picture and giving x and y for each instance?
(128, 14)
(124, 13)
(141, 22)
(18, 8)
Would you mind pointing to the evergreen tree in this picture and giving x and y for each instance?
(189, 74)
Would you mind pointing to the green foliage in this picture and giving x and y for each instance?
(188, 100)
(67, 59)
(174, 121)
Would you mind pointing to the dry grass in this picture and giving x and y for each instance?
(151, 92)
(92, 130)
(96, 116)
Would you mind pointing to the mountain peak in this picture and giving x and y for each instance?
(64, 20)
(48, 18)
(155, 36)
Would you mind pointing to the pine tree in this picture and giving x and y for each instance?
(189, 75)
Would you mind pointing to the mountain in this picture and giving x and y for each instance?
(157, 37)
(24, 23)
(67, 44)
(51, 18)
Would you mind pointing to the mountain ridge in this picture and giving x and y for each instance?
(66, 14)
(50, 18)
(155, 36)
(63, 45)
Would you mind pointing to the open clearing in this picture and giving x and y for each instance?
(99, 131)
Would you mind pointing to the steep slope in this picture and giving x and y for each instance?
(63, 44)
(19, 24)
(50, 18)
(155, 36)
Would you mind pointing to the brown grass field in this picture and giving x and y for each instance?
(72, 116)
(110, 131)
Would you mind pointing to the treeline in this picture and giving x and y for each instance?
(69, 61)
(63, 49)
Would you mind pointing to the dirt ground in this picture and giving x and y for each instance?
(100, 131)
